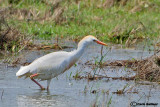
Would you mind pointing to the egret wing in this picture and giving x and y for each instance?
(50, 63)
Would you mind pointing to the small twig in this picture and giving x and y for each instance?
(102, 57)
(2, 94)
(100, 62)
(101, 51)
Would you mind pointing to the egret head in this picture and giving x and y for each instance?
(89, 40)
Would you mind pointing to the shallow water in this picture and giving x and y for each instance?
(67, 92)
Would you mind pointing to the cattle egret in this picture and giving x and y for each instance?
(55, 63)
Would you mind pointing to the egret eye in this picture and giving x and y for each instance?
(94, 40)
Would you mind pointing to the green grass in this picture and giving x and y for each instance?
(91, 18)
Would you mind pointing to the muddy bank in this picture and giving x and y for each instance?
(146, 69)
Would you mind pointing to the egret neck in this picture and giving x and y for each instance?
(76, 54)
(82, 45)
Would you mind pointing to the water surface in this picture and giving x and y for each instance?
(68, 92)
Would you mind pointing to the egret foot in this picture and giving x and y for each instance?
(31, 77)
(42, 88)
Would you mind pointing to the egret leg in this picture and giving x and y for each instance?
(31, 77)
(48, 83)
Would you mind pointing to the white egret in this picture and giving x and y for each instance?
(55, 63)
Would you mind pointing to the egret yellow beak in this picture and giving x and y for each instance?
(101, 43)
